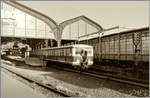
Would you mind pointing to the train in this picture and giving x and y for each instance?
(78, 56)
(122, 52)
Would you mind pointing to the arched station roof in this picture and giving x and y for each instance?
(56, 29)
(84, 18)
(51, 23)
(76, 19)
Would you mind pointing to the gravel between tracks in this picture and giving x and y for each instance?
(75, 84)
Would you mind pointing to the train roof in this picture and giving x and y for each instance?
(68, 46)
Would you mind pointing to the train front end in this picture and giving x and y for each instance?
(83, 56)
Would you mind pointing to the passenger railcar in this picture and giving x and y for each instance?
(78, 55)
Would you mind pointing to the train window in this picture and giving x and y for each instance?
(67, 52)
(39, 52)
(60, 51)
(49, 52)
(78, 50)
(55, 52)
(64, 51)
(44, 52)
(52, 52)
(70, 51)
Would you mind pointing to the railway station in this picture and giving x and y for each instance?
(68, 53)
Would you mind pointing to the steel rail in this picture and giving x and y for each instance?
(101, 76)
(47, 86)
(106, 76)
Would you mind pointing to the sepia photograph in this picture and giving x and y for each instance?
(74, 48)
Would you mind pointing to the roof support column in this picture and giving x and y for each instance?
(46, 43)
(59, 42)
(59, 35)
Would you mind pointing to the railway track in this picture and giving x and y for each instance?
(100, 75)
(115, 76)
(46, 86)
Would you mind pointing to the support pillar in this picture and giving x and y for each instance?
(51, 43)
(59, 42)
(58, 35)
(46, 43)
(41, 46)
